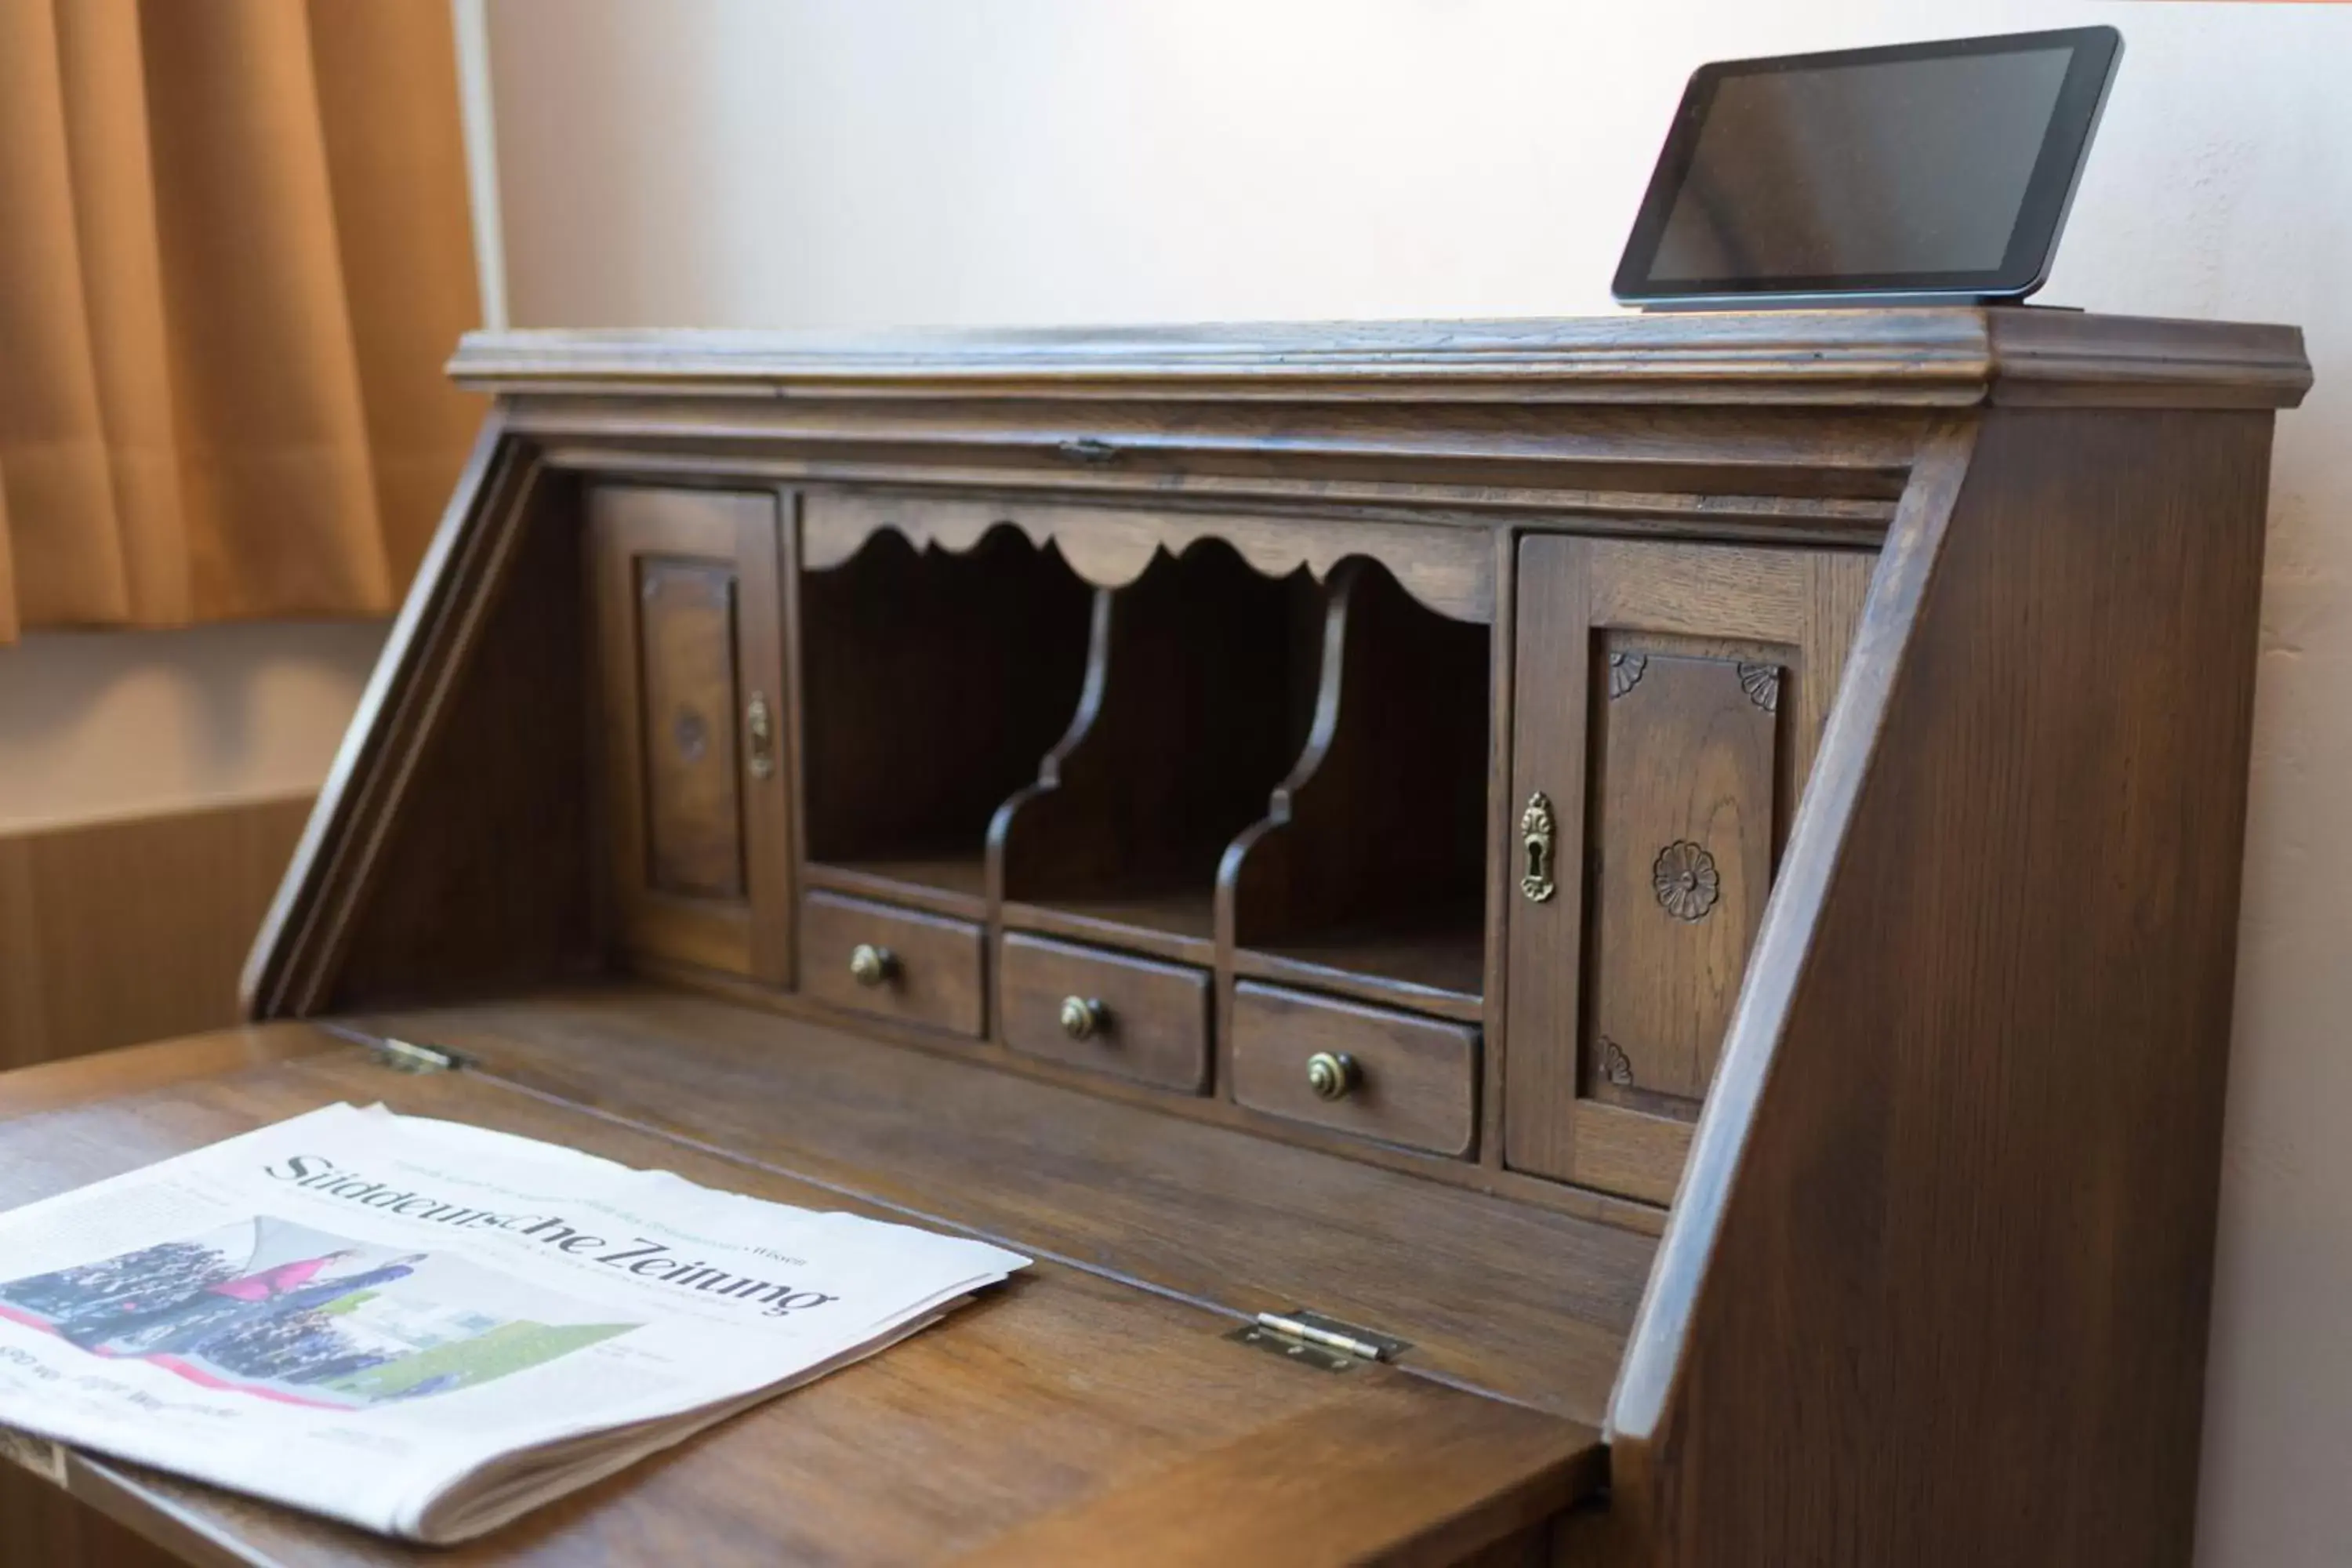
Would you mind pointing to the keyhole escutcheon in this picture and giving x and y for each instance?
(1538, 830)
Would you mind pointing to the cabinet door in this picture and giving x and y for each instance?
(689, 623)
(1669, 700)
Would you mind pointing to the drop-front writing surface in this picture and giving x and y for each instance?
(1472, 829)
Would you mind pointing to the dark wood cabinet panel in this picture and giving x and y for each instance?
(1677, 865)
(689, 622)
(1671, 700)
(686, 716)
(1106, 1012)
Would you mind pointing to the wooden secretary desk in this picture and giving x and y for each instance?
(1662, 892)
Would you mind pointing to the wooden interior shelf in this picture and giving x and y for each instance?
(931, 683)
(1438, 965)
(953, 882)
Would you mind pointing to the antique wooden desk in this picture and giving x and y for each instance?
(1675, 877)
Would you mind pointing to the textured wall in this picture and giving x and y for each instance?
(859, 161)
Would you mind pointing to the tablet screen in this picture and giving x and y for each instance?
(1938, 167)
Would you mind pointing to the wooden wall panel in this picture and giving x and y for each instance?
(117, 932)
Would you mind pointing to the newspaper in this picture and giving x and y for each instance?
(425, 1328)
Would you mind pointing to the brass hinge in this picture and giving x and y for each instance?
(1315, 1339)
(406, 1056)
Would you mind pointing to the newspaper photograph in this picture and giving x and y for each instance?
(395, 1321)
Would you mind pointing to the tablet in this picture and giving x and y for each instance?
(1924, 171)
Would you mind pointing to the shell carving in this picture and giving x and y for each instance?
(1615, 1066)
(1625, 672)
(1685, 880)
(1762, 684)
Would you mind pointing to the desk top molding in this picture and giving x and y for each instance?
(1932, 356)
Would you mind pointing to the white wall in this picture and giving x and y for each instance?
(831, 162)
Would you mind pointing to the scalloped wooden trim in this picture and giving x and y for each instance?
(1447, 570)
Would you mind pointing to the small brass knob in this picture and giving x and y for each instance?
(872, 966)
(1084, 1017)
(1330, 1074)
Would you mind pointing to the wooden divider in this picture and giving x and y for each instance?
(1371, 856)
(1198, 691)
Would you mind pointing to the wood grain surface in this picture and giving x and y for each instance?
(1200, 677)
(1415, 1080)
(1058, 1409)
(693, 808)
(1680, 861)
(932, 973)
(1955, 1191)
(1112, 546)
(1149, 1021)
(687, 630)
(1373, 844)
(44, 1527)
(1661, 771)
(931, 682)
(1935, 354)
(1527, 1302)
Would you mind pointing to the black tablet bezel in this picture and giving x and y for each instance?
(2041, 215)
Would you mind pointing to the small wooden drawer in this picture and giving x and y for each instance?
(1402, 1079)
(894, 964)
(1107, 1011)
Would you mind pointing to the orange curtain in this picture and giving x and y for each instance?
(233, 252)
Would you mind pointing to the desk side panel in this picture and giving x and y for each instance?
(1954, 1308)
(451, 850)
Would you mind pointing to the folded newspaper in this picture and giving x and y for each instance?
(425, 1328)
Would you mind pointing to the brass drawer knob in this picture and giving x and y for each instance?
(1084, 1017)
(1330, 1074)
(872, 966)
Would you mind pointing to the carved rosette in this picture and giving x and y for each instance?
(1625, 672)
(1685, 880)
